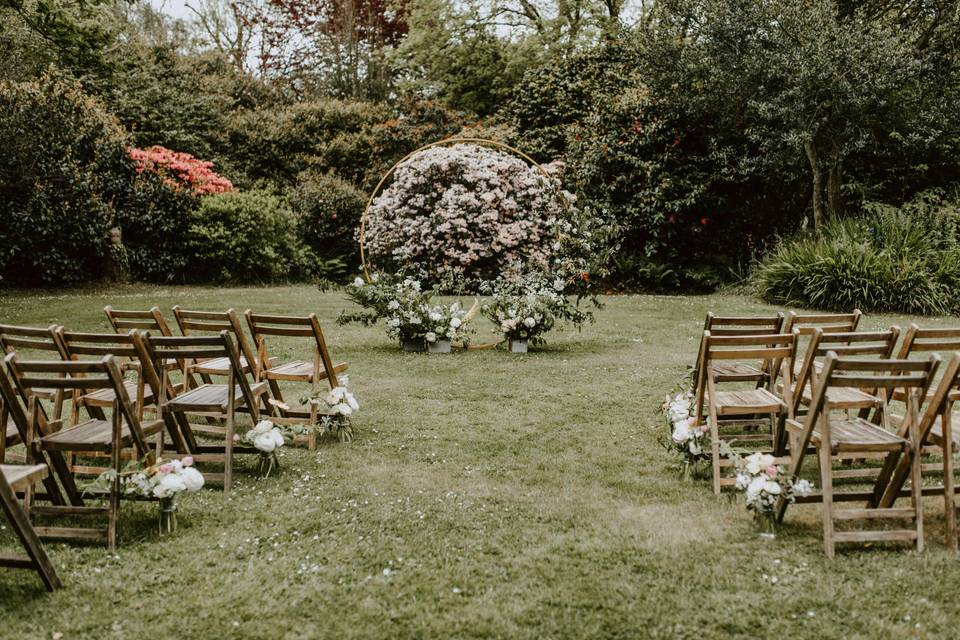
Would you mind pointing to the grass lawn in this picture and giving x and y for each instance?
(485, 495)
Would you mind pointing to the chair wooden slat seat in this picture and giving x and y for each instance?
(212, 397)
(218, 366)
(746, 402)
(300, 371)
(96, 435)
(737, 372)
(105, 397)
(20, 476)
(844, 398)
(857, 434)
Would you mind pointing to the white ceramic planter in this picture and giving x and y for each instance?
(413, 346)
(518, 346)
(439, 346)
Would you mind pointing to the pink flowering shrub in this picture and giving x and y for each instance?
(464, 211)
(180, 171)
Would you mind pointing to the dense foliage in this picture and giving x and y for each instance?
(64, 172)
(889, 259)
(244, 237)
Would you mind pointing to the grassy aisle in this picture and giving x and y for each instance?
(485, 495)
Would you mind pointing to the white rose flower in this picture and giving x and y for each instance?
(358, 281)
(802, 488)
(530, 323)
(265, 442)
(169, 485)
(263, 427)
(743, 481)
(435, 316)
(755, 463)
(343, 409)
(393, 305)
(455, 323)
(681, 431)
(771, 487)
(192, 479)
(431, 336)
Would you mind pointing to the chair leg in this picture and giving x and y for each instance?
(228, 456)
(916, 495)
(28, 537)
(114, 512)
(715, 451)
(826, 483)
(949, 505)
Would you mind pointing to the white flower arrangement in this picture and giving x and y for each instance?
(764, 482)
(162, 481)
(528, 307)
(266, 438)
(446, 323)
(336, 407)
(399, 300)
(691, 442)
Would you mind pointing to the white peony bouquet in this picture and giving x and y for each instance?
(764, 482)
(337, 406)
(691, 442)
(266, 438)
(162, 481)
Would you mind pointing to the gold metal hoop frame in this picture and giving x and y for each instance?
(446, 141)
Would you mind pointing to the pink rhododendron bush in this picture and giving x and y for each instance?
(465, 211)
(180, 171)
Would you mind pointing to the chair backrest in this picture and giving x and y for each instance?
(17, 339)
(83, 375)
(880, 376)
(214, 322)
(123, 320)
(736, 326)
(856, 344)
(917, 340)
(156, 350)
(94, 346)
(263, 325)
(805, 323)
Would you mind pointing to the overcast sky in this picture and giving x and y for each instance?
(175, 8)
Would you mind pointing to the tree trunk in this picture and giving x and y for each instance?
(817, 183)
(834, 181)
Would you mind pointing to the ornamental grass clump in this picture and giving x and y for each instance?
(464, 211)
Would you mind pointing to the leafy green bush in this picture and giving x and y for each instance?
(889, 259)
(63, 171)
(327, 210)
(276, 144)
(244, 237)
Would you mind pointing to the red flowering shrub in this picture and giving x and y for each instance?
(180, 170)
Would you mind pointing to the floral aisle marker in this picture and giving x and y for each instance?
(523, 310)
(691, 443)
(763, 482)
(163, 481)
(266, 438)
(338, 406)
(407, 311)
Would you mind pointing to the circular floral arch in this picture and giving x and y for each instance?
(564, 202)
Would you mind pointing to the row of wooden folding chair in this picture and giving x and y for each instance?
(257, 361)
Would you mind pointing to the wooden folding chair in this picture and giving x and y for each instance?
(221, 401)
(720, 326)
(27, 340)
(743, 407)
(937, 435)
(123, 430)
(20, 477)
(151, 320)
(59, 468)
(212, 323)
(830, 430)
(857, 344)
(76, 346)
(312, 372)
(806, 323)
